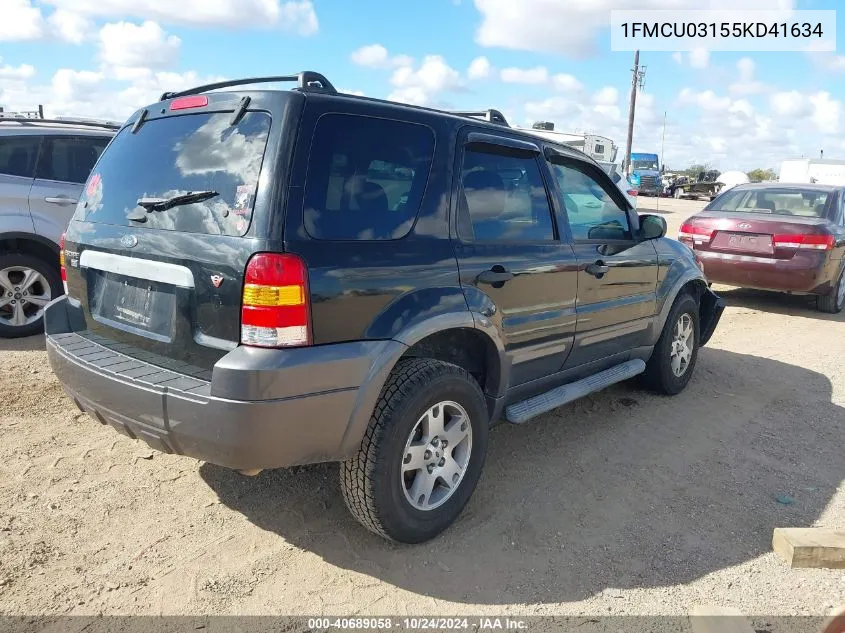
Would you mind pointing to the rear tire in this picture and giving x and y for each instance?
(672, 362)
(27, 284)
(380, 485)
(832, 303)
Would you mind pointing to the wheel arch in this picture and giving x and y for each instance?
(29, 244)
(432, 338)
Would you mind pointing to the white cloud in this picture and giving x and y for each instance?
(24, 71)
(678, 57)
(376, 56)
(479, 68)
(706, 100)
(296, 16)
(127, 45)
(538, 75)
(20, 21)
(699, 58)
(571, 26)
(790, 104)
(826, 112)
(96, 94)
(563, 82)
(607, 96)
(71, 27)
(347, 91)
(419, 86)
(746, 84)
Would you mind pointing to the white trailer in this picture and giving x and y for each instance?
(599, 148)
(809, 170)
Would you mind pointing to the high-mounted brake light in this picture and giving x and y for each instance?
(62, 261)
(276, 308)
(186, 103)
(804, 242)
(698, 233)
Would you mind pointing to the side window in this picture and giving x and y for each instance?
(70, 158)
(504, 197)
(593, 214)
(18, 154)
(366, 177)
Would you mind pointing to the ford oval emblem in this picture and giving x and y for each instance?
(128, 241)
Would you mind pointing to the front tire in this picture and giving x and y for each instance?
(422, 454)
(672, 362)
(832, 303)
(27, 285)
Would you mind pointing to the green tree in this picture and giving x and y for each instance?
(761, 175)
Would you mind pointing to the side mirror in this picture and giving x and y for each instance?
(652, 227)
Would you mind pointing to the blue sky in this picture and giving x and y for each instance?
(532, 59)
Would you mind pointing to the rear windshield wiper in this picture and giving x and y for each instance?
(163, 204)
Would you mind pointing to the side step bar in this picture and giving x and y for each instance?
(521, 412)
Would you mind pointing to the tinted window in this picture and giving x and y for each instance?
(366, 177)
(17, 155)
(175, 155)
(504, 195)
(804, 202)
(69, 158)
(592, 212)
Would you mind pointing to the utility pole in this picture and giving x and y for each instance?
(636, 82)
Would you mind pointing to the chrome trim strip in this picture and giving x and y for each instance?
(137, 267)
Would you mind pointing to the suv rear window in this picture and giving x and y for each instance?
(173, 156)
(366, 177)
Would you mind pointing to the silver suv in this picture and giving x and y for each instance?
(44, 164)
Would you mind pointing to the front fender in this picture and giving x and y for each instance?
(678, 270)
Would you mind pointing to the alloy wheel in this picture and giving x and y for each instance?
(436, 455)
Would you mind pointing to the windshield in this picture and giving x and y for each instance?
(645, 163)
(804, 202)
(171, 157)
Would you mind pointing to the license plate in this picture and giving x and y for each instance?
(137, 304)
(744, 242)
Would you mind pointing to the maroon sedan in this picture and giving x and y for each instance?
(787, 238)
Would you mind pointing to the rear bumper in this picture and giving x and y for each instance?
(262, 409)
(806, 272)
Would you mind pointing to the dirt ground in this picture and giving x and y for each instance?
(622, 503)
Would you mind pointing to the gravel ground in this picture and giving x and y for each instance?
(622, 503)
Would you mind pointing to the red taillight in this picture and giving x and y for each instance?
(698, 233)
(811, 242)
(62, 261)
(633, 192)
(186, 103)
(276, 306)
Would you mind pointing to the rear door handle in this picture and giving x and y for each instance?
(61, 200)
(494, 277)
(598, 269)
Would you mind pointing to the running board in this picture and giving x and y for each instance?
(521, 412)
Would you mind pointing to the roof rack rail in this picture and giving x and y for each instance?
(108, 125)
(493, 116)
(307, 81)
